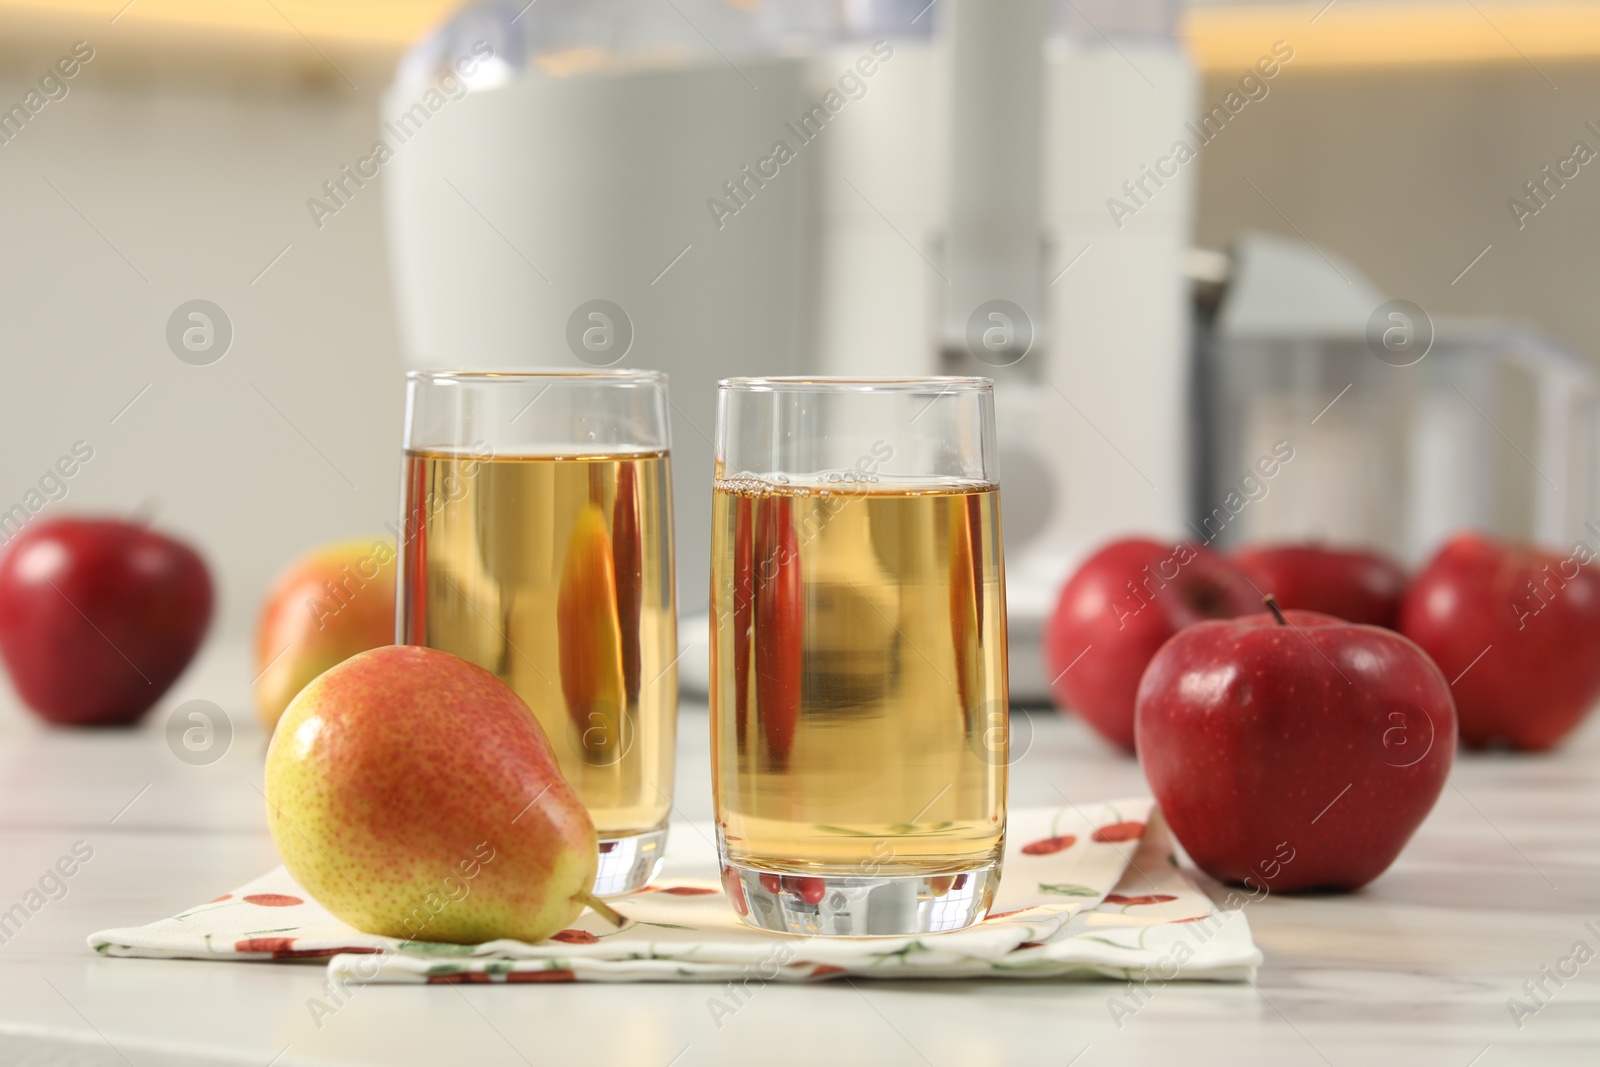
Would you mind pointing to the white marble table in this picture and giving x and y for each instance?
(1415, 970)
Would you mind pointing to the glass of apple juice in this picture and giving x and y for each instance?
(536, 542)
(859, 690)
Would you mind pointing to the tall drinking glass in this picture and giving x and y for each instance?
(858, 702)
(536, 542)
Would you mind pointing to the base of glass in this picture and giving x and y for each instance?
(855, 906)
(627, 864)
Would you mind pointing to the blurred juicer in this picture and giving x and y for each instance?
(936, 160)
(1456, 423)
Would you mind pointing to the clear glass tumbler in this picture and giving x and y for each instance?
(859, 691)
(536, 542)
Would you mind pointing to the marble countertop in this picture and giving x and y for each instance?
(1417, 969)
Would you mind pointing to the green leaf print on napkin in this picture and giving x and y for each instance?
(435, 948)
(1068, 890)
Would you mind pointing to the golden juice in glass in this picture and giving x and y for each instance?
(555, 573)
(859, 683)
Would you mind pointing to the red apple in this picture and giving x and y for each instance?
(1348, 583)
(1122, 605)
(99, 617)
(1517, 629)
(1298, 752)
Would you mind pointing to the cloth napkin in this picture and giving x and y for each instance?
(1091, 891)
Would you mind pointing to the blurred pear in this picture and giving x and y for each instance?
(325, 607)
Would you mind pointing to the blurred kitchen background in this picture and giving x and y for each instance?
(1374, 163)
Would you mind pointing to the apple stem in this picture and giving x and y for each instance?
(602, 909)
(1272, 605)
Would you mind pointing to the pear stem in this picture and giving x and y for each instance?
(1272, 605)
(602, 909)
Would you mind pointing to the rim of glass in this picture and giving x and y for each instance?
(815, 383)
(598, 374)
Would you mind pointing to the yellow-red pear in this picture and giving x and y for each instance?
(414, 795)
(325, 607)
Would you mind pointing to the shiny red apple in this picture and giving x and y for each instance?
(1123, 603)
(1517, 631)
(1297, 751)
(99, 617)
(1352, 584)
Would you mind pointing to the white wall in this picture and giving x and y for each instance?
(190, 177)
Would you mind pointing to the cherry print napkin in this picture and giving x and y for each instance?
(1091, 891)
